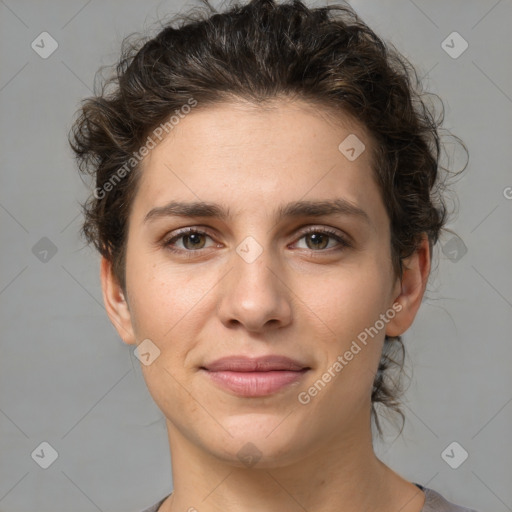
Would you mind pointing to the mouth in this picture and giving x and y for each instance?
(254, 377)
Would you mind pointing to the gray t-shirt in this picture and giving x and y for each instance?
(434, 502)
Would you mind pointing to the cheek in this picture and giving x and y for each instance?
(170, 306)
(163, 308)
(349, 301)
(160, 295)
(350, 312)
(340, 390)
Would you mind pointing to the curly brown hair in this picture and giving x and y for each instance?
(261, 51)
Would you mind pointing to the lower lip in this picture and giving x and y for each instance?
(254, 384)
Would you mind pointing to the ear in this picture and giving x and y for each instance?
(116, 304)
(411, 289)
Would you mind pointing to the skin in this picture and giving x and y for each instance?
(298, 299)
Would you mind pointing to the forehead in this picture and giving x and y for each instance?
(248, 156)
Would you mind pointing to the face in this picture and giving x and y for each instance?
(264, 279)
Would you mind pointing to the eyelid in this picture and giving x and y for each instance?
(184, 231)
(344, 242)
(336, 233)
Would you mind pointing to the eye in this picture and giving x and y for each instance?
(192, 240)
(317, 239)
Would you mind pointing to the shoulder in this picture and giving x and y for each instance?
(434, 502)
(156, 506)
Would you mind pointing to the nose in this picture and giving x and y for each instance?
(254, 294)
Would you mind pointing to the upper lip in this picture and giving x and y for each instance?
(254, 364)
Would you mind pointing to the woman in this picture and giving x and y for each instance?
(266, 203)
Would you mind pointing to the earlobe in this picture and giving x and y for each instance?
(413, 284)
(116, 304)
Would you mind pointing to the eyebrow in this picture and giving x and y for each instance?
(291, 210)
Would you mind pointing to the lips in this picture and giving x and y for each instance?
(258, 364)
(254, 377)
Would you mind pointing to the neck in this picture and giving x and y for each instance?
(336, 474)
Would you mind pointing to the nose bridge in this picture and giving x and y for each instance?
(253, 294)
(254, 264)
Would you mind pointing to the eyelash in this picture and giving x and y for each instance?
(344, 244)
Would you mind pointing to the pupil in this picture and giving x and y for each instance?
(317, 237)
(193, 236)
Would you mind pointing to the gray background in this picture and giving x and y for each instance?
(67, 379)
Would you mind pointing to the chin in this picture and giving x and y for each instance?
(258, 441)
